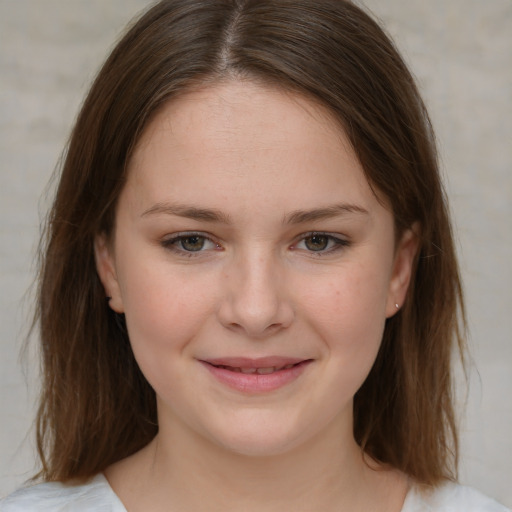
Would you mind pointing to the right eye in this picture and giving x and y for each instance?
(190, 243)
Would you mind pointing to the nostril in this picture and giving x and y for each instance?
(257, 311)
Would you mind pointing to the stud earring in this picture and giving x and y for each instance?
(397, 306)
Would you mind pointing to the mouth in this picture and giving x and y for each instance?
(260, 370)
(256, 375)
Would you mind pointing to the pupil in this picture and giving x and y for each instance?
(317, 242)
(193, 243)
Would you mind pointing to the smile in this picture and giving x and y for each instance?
(256, 376)
(259, 371)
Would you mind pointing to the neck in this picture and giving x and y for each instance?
(327, 473)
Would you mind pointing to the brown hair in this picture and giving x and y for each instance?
(96, 407)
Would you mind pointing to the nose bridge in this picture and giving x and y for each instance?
(257, 282)
(255, 298)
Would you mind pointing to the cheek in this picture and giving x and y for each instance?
(348, 316)
(164, 310)
(349, 311)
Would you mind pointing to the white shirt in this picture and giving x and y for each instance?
(98, 496)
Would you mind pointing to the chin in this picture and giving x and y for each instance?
(260, 438)
(256, 446)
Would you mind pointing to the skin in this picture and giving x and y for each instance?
(263, 169)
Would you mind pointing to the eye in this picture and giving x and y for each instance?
(192, 243)
(320, 242)
(189, 243)
(317, 242)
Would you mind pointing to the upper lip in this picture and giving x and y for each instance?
(259, 362)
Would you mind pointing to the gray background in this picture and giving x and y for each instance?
(460, 51)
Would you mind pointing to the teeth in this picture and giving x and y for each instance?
(266, 371)
(259, 371)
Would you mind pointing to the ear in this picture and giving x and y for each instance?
(105, 266)
(402, 269)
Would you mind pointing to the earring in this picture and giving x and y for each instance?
(397, 306)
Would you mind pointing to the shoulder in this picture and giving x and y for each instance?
(95, 495)
(450, 497)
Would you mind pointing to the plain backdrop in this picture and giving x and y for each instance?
(461, 54)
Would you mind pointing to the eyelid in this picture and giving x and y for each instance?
(339, 242)
(169, 242)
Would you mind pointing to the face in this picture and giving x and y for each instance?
(255, 267)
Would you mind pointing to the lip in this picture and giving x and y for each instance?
(259, 362)
(256, 383)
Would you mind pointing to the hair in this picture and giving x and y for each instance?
(96, 407)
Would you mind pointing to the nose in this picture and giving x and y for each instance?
(255, 300)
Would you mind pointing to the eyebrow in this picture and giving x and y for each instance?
(213, 215)
(189, 212)
(336, 210)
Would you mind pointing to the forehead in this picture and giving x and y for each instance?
(248, 109)
(243, 139)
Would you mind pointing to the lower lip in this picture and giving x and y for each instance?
(254, 382)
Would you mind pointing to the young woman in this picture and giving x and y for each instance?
(249, 297)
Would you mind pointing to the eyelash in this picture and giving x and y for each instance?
(336, 244)
(172, 243)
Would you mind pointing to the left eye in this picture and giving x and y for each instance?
(189, 243)
(320, 242)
